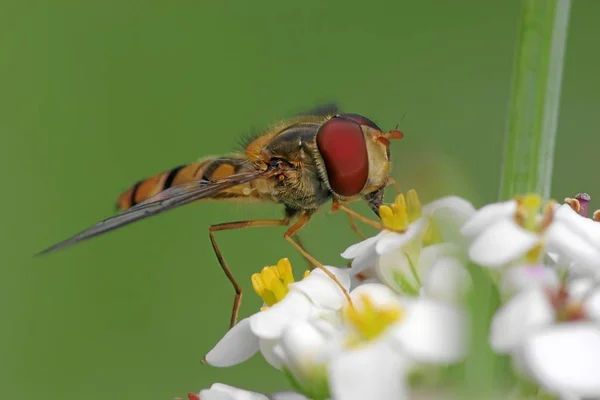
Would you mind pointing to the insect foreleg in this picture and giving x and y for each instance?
(375, 224)
(355, 228)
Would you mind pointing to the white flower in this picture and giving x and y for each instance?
(580, 252)
(285, 302)
(220, 391)
(554, 336)
(439, 221)
(385, 335)
(368, 353)
(397, 258)
(516, 232)
(363, 255)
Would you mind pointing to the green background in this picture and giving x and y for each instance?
(95, 95)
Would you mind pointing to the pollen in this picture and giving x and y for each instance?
(404, 211)
(528, 207)
(369, 320)
(534, 255)
(271, 283)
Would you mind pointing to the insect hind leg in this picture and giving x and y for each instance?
(238, 225)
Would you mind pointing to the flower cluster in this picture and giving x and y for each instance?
(408, 316)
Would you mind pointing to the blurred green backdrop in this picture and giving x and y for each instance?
(97, 94)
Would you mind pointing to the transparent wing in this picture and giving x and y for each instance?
(166, 200)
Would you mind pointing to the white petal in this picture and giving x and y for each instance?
(395, 241)
(447, 280)
(238, 345)
(449, 214)
(487, 215)
(365, 246)
(369, 372)
(563, 241)
(303, 345)
(380, 295)
(579, 288)
(359, 278)
(391, 242)
(220, 391)
(364, 262)
(433, 332)
(592, 305)
(585, 227)
(393, 263)
(524, 277)
(210, 394)
(322, 290)
(456, 205)
(524, 313)
(501, 243)
(288, 396)
(269, 324)
(566, 358)
(270, 350)
(431, 254)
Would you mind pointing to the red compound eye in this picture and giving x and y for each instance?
(360, 120)
(344, 151)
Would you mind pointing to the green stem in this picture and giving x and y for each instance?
(534, 102)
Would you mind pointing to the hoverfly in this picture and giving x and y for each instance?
(301, 163)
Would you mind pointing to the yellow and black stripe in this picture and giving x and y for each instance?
(210, 169)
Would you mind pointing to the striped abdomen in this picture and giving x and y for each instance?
(209, 169)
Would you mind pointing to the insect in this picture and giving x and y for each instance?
(300, 163)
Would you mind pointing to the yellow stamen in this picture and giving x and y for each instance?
(534, 255)
(269, 276)
(528, 207)
(257, 284)
(370, 321)
(404, 211)
(284, 268)
(413, 206)
(271, 283)
(261, 289)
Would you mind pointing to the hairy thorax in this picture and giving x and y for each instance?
(299, 186)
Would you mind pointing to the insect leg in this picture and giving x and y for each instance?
(288, 236)
(238, 225)
(310, 265)
(355, 227)
(375, 224)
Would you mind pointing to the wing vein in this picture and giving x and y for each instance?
(166, 200)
